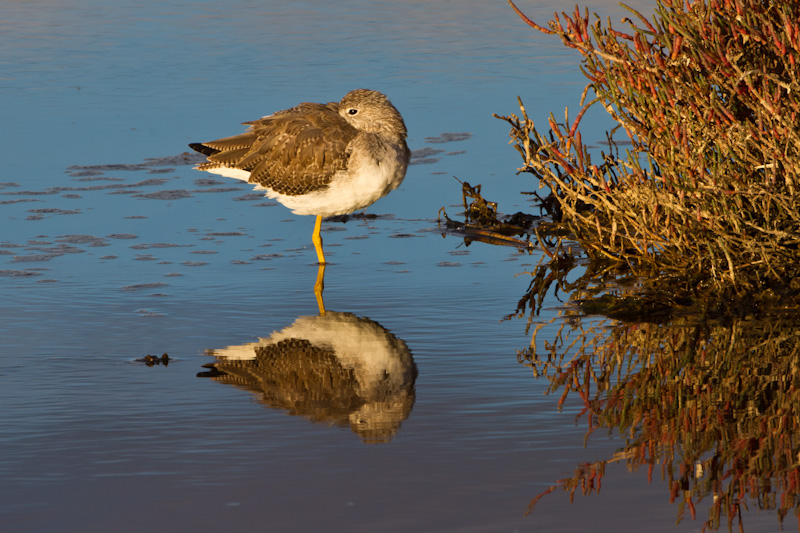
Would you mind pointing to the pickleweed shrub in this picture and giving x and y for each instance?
(702, 173)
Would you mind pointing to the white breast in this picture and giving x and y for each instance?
(375, 169)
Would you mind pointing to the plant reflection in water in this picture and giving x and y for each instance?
(333, 368)
(707, 397)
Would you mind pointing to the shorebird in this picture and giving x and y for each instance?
(318, 159)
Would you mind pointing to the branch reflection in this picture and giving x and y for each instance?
(708, 401)
(334, 368)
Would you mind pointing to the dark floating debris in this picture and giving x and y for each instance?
(481, 222)
(249, 197)
(58, 249)
(34, 258)
(219, 189)
(91, 240)
(140, 286)
(4, 202)
(32, 193)
(153, 360)
(425, 156)
(166, 195)
(18, 273)
(154, 162)
(150, 182)
(147, 313)
(356, 216)
(148, 246)
(54, 211)
(209, 182)
(92, 175)
(448, 137)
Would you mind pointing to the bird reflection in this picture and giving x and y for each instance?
(334, 368)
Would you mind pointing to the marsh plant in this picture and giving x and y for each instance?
(706, 98)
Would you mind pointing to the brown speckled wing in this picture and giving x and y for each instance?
(292, 152)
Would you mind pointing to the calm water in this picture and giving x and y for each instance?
(112, 248)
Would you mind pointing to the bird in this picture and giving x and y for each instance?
(318, 159)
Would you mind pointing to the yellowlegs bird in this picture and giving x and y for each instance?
(318, 159)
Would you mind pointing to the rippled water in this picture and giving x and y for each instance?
(113, 248)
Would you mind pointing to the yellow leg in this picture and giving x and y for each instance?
(316, 238)
(319, 286)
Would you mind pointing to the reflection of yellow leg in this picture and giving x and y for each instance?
(319, 286)
(316, 238)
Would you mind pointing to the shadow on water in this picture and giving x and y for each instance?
(704, 393)
(333, 368)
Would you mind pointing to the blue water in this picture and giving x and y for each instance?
(100, 266)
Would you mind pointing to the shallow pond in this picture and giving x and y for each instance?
(112, 248)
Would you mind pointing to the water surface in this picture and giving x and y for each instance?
(113, 248)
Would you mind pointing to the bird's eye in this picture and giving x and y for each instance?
(352, 111)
